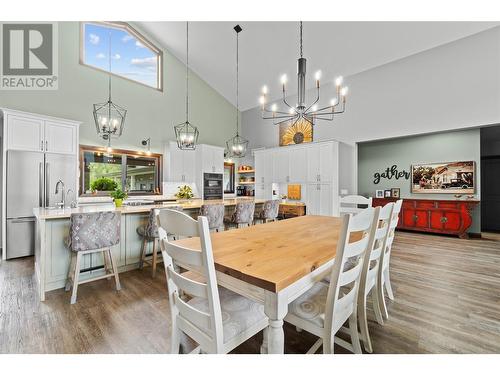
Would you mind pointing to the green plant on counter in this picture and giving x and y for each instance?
(118, 194)
(104, 184)
(185, 192)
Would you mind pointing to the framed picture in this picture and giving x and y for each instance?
(293, 133)
(379, 193)
(395, 193)
(388, 193)
(444, 178)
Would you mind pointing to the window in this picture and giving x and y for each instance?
(132, 171)
(132, 56)
(229, 178)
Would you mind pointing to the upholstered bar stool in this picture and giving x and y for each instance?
(149, 234)
(215, 215)
(242, 215)
(92, 233)
(269, 212)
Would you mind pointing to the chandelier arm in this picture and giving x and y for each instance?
(286, 120)
(278, 117)
(278, 112)
(313, 103)
(286, 103)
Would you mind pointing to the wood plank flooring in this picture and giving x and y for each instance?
(447, 294)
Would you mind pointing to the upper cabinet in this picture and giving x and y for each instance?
(180, 164)
(212, 158)
(321, 162)
(30, 132)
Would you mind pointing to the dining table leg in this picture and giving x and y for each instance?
(276, 308)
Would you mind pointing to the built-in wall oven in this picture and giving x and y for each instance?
(212, 186)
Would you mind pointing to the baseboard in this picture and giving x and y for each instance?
(474, 235)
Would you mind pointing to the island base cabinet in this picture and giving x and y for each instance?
(133, 241)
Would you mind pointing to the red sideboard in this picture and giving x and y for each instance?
(432, 215)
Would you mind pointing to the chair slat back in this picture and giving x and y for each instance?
(351, 253)
(202, 326)
(350, 204)
(391, 232)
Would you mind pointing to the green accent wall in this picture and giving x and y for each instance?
(441, 147)
(151, 113)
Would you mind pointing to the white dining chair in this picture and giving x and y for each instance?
(324, 308)
(383, 274)
(370, 275)
(217, 319)
(350, 204)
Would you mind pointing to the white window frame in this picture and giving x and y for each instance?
(126, 27)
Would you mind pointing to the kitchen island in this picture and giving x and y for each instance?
(52, 257)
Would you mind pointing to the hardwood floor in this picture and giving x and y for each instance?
(447, 298)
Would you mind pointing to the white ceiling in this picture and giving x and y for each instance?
(270, 49)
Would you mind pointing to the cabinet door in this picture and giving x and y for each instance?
(263, 191)
(24, 133)
(259, 169)
(298, 165)
(325, 200)
(218, 159)
(133, 241)
(176, 164)
(313, 199)
(280, 166)
(313, 163)
(326, 162)
(189, 166)
(60, 138)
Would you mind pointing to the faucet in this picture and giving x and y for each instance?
(62, 203)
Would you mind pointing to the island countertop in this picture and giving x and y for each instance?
(194, 204)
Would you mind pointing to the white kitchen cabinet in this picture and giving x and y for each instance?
(180, 164)
(320, 198)
(281, 166)
(264, 168)
(321, 162)
(24, 133)
(60, 138)
(298, 165)
(212, 159)
(31, 133)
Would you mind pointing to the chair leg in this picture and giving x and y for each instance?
(143, 253)
(175, 339)
(108, 269)
(115, 270)
(155, 256)
(363, 323)
(263, 347)
(71, 272)
(353, 330)
(376, 304)
(388, 286)
(76, 277)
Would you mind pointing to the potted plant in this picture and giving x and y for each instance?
(185, 192)
(118, 196)
(103, 184)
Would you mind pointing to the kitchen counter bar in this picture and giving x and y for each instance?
(194, 204)
(52, 226)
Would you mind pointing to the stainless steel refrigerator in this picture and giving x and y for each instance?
(31, 180)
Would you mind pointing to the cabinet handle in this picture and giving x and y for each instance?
(415, 217)
(444, 219)
(46, 145)
(319, 177)
(41, 145)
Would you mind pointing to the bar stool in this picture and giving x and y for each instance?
(149, 233)
(214, 214)
(92, 233)
(269, 212)
(242, 215)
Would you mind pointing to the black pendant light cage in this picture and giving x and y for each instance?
(109, 117)
(186, 134)
(237, 146)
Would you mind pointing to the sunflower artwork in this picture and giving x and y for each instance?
(295, 133)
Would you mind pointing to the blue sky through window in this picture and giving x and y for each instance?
(129, 57)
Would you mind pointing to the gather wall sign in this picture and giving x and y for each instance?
(390, 173)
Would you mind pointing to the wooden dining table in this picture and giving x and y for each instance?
(274, 263)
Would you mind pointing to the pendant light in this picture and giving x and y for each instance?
(237, 146)
(186, 134)
(109, 117)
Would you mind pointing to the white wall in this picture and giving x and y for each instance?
(454, 86)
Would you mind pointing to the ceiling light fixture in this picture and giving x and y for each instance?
(237, 145)
(109, 117)
(301, 110)
(186, 133)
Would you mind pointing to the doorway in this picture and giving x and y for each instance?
(490, 179)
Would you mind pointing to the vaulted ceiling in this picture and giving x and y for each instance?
(270, 49)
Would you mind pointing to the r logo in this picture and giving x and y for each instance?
(27, 49)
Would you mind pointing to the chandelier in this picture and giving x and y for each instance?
(300, 111)
(109, 117)
(237, 145)
(186, 134)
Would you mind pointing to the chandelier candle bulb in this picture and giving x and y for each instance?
(264, 90)
(338, 81)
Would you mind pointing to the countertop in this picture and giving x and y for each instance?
(60, 213)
